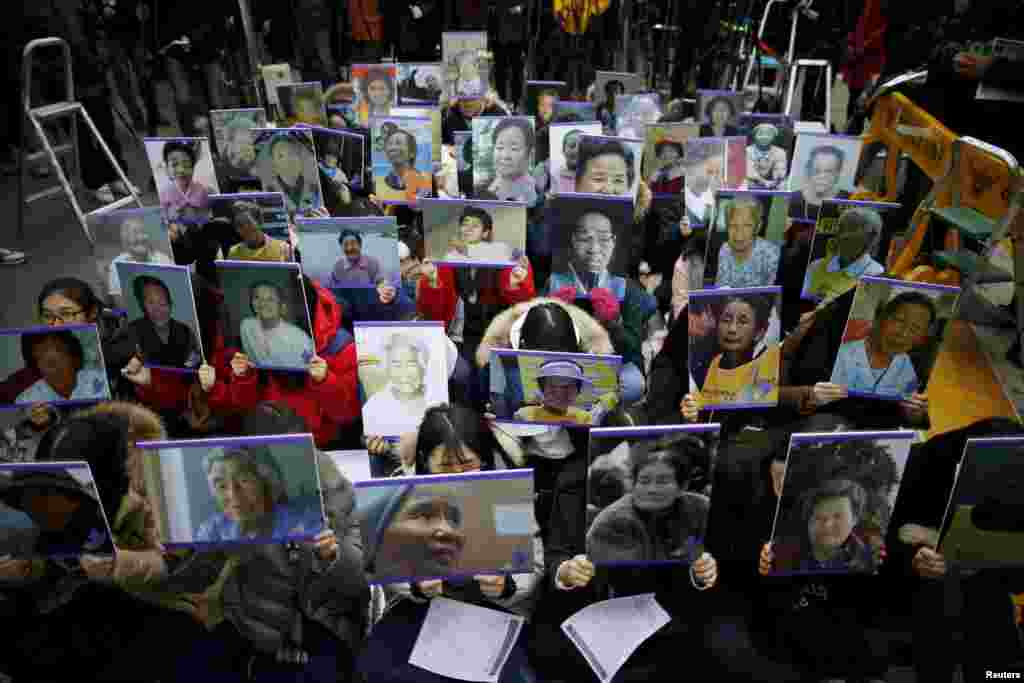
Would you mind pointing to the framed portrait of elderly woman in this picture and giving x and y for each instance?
(738, 353)
(665, 154)
(719, 112)
(432, 113)
(184, 175)
(474, 233)
(234, 491)
(539, 387)
(770, 140)
(836, 495)
(503, 153)
(33, 492)
(403, 369)
(234, 155)
(824, 167)
(467, 68)
(265, 211)
(420, 83)
(402, 158)
(609, 165)
(302, 103)
(446, 526)
(892, 337)
(341, 155)
(60, 365)
(589, 242)
(350, 253)
(162, 320)
(639, 473)
(984, 524)
(845, 247)
(634, 112)
(564, 152)
(136, 235)
(744, 245)
(374, 91)
(286, 163)
(266, 314)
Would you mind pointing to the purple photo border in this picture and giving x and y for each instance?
(834, 437)
(906, 284)
(558, 354)
(41, 329)
(398, 323)
(775, 290)
(144, 267)
(872, 394)
(879, 206)
(653, 430)
(529, 83)
(738, 405)
(224, 196)
(386, 580)
(589, 196)
(371, 220)
(611, 137)
(994, 441)
(220, 442)
(59, 466)
(553, 423)
(228, 264)
(426, 479)
(726, 194)
(263, 540)
(493, 203)
(468, 263)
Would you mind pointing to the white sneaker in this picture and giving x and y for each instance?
(9, 257)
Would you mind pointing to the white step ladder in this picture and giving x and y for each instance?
(69, 110)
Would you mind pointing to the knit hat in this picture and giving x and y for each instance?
(375, 518)
(604, 304)
(566, 369)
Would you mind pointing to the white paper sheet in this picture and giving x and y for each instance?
(607, 633)
(464, 641)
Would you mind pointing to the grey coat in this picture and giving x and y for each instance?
(620, 534)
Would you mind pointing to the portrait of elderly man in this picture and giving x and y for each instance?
(252, 499)
(162, 339)
(767, 163)
(847, 255)
(399, 405)
(138, 248)
(746, 259)
(354, 268)
(591, 246)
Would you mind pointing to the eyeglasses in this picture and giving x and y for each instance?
(62, 316)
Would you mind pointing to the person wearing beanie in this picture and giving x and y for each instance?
(560, 383)
(375, 518)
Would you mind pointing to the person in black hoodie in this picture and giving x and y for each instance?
(991, 640)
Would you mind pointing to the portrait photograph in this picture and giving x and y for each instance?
(420, 84)
(541, 98)
(633, 113)
(302, 103)
(573, 389)
(265, 313)
(735, 354)
(836, 496)
(402, 159)
(346, 253)
(234, 491)
(474, 233)
(271, 217)
(60, 365)
(273, 76)
(590, 242)
(375, 91)
(162, 319)
(744, 248)
(665, 154)
(421, 112)
(403, 369)
(564, 140)
(719, 112)
(984, 522)
(136, 235)
(609, 165)
(185, 177)
(234, 154)
(286, 163)
(446, 526)
(770, 140)
(341, 156)
(640, 473)
(823, 167)
(623, 83)
(504, 148)
(571, 110)
(845, 247)
(892, 337)
(51, 510)
(704, 174)
(467, 70)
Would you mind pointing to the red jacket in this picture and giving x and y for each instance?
(865, 47)
(324, 406)
(439, 303)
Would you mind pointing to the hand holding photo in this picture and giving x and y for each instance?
(446, 526)
(836, 496)
(52, 510)
(474, 233)
(184, 175)
(134, 235)
(342, 253)
(266, 313)
(845, 247)
(66, 360)
(638, 473)
(402, 152)
(286, 163)
(746, 239)
(892, 337)
(260, 219)
(224, 492)
(742, 343)
(503, 149)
